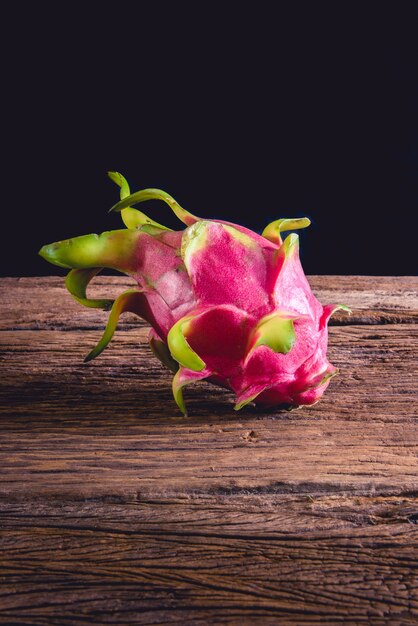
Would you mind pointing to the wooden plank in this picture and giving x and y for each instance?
(115, 509)
(70, 428)
(44, 303)
(212, 559)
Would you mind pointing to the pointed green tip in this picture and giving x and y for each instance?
(328, 376)
(156, 194)
(77, 282)
(50, 252)
(290, 243)
(243, 403)
(290, 247)
(344, 307)
(113, 249)
(273, 230)
(180, 348)
(275, 332)
(98, 349)
(179, 399)
(127, 301)
(178, 394)
(121, 181)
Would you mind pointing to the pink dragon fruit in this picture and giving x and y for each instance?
(225, 304)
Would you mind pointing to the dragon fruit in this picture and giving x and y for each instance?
(225, 304)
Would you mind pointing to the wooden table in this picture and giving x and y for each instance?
(115, 509)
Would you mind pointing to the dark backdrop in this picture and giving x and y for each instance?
(243, 115)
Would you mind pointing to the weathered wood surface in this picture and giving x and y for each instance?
(28, 303)
(115, 509)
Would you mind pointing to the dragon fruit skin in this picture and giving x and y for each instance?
(225, 304)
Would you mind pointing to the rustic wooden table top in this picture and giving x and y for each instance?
(115, 509)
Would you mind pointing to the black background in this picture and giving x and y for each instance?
(248, 115)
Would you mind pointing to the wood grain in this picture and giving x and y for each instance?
(115, 509)
(213, 559)
(44, 303)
